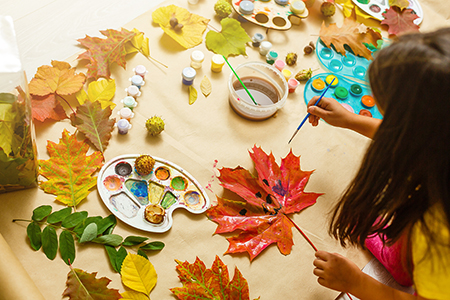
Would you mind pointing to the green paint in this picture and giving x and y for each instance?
(168, 200)
(179, 183)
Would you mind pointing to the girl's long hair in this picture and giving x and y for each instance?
(406, 168)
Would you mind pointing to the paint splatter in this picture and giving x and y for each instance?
(213, 177)
(112, 183)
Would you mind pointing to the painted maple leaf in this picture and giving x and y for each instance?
(351, 33)
(102, 53)
(202, 283)
(260, 218)
(69, 170)
(400, 21)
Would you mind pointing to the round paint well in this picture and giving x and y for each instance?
(192, 198)
(326, 53)
(368, 101)
(318, 84)
(279, 21)
(112, 183)
(335, 65)
(348, 107)
(162, 173)
(262, 17)
(375, 8)
(359, 71)
(330, 79)
(355, 89)
(349, 60)
(365, 112)
(179, 183)
(123, 169)
(341, 93)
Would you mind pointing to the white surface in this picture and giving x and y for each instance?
(48, 29)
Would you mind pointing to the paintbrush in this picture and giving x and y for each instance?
(308, 114)
(251, 97)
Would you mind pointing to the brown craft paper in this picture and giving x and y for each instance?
(15, 283)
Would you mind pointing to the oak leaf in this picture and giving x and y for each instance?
(94, 123)
(69, 170)
(260, 218)
(81, 285)
(102, 90)
(400, 21)
(232, 40)
(194, 25)
(138, 274)
(202, 283)
(353, 34)
(102, 53)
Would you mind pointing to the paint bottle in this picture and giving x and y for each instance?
(297, 7)
(123, 126)
(265, 47)
(129, 102)
(271, 57)
(217, 62)
(341, 93)
(197, 58)
(257, 39)
(332, 80)
(140, 70)
(188, 75)
(280, 64)
(137, 80)
(292, 84)
(133, 91)
(287, 74)
(246, 7)
(125, 113)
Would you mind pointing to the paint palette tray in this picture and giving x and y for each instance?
(376, 8)
(127, 194)
(349, 65)
(271, 14)
(355, 97)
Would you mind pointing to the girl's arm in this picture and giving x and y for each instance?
(339, 273)
(335, 114)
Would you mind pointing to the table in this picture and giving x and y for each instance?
(200, 137)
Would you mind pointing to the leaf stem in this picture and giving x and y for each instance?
(67, 102)
(212, 27)
(148, 57)
(22, 220)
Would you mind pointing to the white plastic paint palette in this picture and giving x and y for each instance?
(376, 8)
(127, 194)
(273, 14)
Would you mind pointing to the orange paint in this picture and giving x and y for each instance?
(365, 112)
(318, 84)
(368, 101)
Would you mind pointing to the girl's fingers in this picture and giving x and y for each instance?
(319, 272)
(323, 255)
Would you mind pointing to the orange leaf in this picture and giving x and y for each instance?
(400, 21)
(69, 170)
(103, 52)
(47, 107)
(353, 34)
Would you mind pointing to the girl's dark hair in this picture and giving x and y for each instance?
(406, 169)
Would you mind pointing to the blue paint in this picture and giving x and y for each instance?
(279, 189)
(139, 190)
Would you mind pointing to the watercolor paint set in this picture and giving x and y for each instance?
(376, 8)
(272, 14)
(147, 202)
(355, 97)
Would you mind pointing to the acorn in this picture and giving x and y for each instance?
(291, 58)
(154, 125)
(309, 48)
(178, 27)
(327, 9)
(144, 164)
(173, 22)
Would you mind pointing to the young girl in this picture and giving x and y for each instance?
(398, 205)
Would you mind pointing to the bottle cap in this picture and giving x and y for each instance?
(280, 64)
(272, 55)
(133, 91)
(298, 7)
(282, 2)
(341, 92)
(356, 89)
(257, 38)
(246, 7)
(189, 73)
(330, 78)
(129, 101)
(123, 126)
(218, 59)
(292, 84)
(197, 56)
(126, 113)
(137, 80)
(140, 70)
(287, 74)
(266, 45)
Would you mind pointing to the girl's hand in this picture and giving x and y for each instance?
(330, 111)
(336, 272)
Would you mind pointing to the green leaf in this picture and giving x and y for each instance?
(67, 247)
(134, 240)
(79, 229)
(121, 254)
(49, 242)
(74, 219)
(34, 235)
(106, 223)
(59, 215)
(112, 254)
(89, 233)
(109, 239)
(39, 213)
(153, 246)
(142, 253)
(231, 40)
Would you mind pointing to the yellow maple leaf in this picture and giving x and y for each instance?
(60, 78)
(133, 295)
(193, 25)
(102, 90)
(138, 274)
(139, 43)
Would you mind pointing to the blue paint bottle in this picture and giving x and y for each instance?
(188, 75)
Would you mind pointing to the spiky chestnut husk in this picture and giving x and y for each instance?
(327, 9)
(154, 125)
(304, 75)
(144, 164)
(291, 58)
(222, 8)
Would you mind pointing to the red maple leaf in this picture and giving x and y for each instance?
(400, 21)
(260, 217)
(47, 107)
